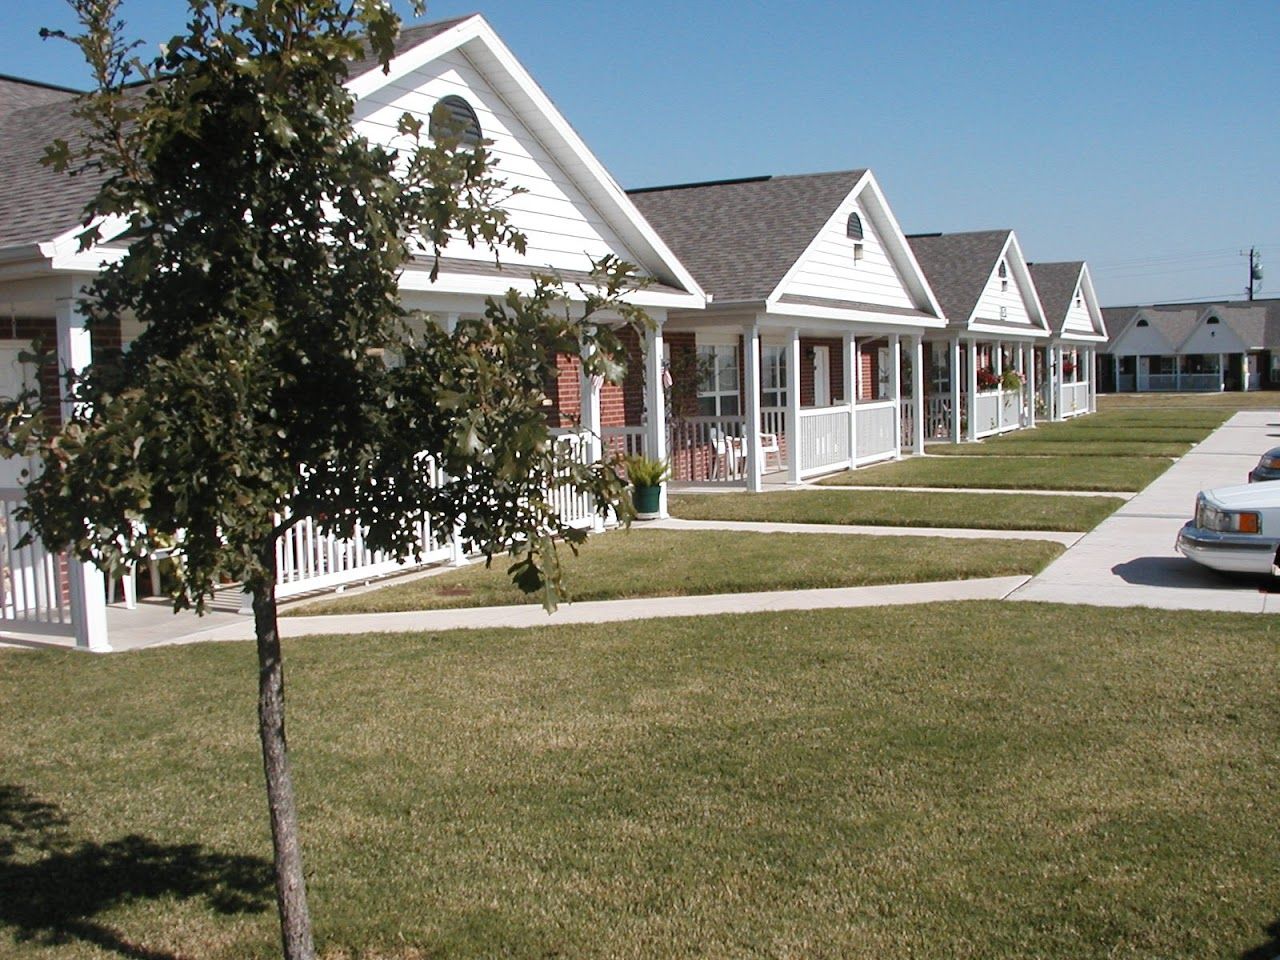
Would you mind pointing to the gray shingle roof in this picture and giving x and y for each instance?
(37, 203)
(1256, 322)
(739, 238)
(1056, 284)
(18, 94)
(957, 266)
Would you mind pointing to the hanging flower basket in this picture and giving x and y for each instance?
(987, 380)
(1012, 380)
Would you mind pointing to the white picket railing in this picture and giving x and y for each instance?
(937, 424)
(702, 449)
(875, 431)
(987, 413)
(628, 441)
(33, 581)
(1075, 399)
(824, 439)
(1166, 382)
(575, 509)
(1125, 383)
(773, 420)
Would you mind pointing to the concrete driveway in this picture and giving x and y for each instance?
(1129, 559)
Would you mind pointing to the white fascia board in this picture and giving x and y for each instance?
(853, 318)
(482, 46)
(1007, 333)
(1091, 302)
(487, 285)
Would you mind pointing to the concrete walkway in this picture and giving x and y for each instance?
(611, 611)
(707, 490)
(1066, 538)
(1130, 560)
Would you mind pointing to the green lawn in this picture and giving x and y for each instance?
(1009, 473)
(976, 781)
(1032, 446)
(904, 508)
(672, 563)
(1226, 402)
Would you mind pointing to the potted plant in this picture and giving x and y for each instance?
(1011, 379)
(987, 380)
(646, 475)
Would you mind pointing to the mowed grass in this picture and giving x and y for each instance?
(1071, 447)
(1229, 402)
(974, 781)
(1117, 473)
(905, 508)
(674, 563)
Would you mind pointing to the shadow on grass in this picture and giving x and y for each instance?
(52, 888)
(1269, 950)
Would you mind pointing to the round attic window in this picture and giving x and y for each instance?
(453, 116)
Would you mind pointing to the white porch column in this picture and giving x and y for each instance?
(1093, 380)
(589, 391)
(895, 388)
(87, 586)
(793, 407)
(849, 354)
(953, 359)
(1222, 372)
(1115, 372)
(1057, 380)
(997, 367)
(973, 389)
(1029, 369)
(1244, 372)
(655, 440)
(751, 387)
(917, 394)
(450, 323)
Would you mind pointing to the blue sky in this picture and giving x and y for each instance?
(1142, 137)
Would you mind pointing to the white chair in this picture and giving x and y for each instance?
(769, 445)
(726, 448)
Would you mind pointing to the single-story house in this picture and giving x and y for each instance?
(1193, 347)
(571, 209)
(984, 366)
(1079, 330)
(796, 366)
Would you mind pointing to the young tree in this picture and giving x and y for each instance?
(264, 241)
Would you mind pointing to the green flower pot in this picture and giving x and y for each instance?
(647, 500)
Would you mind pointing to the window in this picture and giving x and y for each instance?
(718, 380)
(453, 116)
(940, 368)
(773, 376)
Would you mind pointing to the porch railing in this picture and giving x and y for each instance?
(703, 449)
(33, 582)
(774, 420)
(1075, 399)
(987, 413)
(824, 439)
(937, 425)
(875, 431)
(627, 441)
(1010, 409)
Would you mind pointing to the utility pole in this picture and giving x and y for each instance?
(1255, 270)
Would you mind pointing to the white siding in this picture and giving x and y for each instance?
(829, 270)
(993, 298)
(1077, 319)
(562, 227)
(1142, 341)
(1214, 338)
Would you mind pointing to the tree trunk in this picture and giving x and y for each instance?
(291, 888)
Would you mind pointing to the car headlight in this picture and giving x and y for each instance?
(1270, 463)
(1227, 521)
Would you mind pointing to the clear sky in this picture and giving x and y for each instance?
(1141, 136)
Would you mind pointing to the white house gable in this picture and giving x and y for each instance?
(1213, 335)
(838, 266)
(562, 227)
(1005, 299)
(1142, 339)
(1078, 319)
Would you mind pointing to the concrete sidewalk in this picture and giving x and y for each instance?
(1130, 560)
(611, 611)
(1066, 538)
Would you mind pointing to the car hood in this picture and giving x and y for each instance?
(1245, 496)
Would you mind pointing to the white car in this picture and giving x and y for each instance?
(1235, 529)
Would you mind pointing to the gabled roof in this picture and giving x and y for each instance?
(409, 38)
(19, 94)
(1056, 283)
(958, 266)
(1174, 322)
(740, 237)
(1255, 322)
(1248, 320)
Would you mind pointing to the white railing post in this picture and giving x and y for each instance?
(87, 586)
(656, 439)
(917, 394)
(794, 466)
(849, 355)
(997, 367)
(1059, 381)
(953, 359)
(1030, 373)
(895, 388)
(752, 428)
(972, 356)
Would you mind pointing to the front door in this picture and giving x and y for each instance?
(822, 376)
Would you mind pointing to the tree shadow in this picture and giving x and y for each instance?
(52, 887)
(1269, 950)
